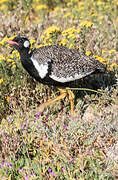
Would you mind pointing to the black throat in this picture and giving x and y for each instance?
(25, 59)
(28, 64)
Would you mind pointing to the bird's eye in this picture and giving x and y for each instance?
(26, 44)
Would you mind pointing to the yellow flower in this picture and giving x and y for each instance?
(32, 41)
(113, 64)
(63, 42)
(40, 45)
(5, 39)
(10, 60)
(14, 66)
(69, 4)
(15, 53)
(51, 30)
(7, 98)
(11, 56)
(71, 30)
(71, 36)
(50, 34)
(99, 3)
(2, 1)
(66, 15)
(2, 57)
(40, 7)
(99, 58)
(88, 53)
(47, 38)
(112, 51)
(1, 81)
(86, 24)
(71, 46)
(37, 1)
(80, 4)
(12, 37)
(81, 8)
(103, 51)
(78, 30)
(56, 9)
(2, 6)
(50, 40)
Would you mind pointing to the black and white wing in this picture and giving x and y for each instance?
(62, 64)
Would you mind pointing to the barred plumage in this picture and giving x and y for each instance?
(56, 65)
(67, 62)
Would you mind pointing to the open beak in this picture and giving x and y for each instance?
(12, 43)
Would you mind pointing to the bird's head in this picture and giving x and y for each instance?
(20, 43)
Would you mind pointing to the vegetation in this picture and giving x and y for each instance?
(52, 144)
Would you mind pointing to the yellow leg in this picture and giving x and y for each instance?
(62, 95)
(71, 99)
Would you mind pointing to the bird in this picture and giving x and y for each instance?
(57, 66)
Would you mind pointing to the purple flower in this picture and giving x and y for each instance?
(9, 119)
(52, 173)
(21, 112)
(10, 165)
(46, 118)
(49, 170)
(23, 127)
(5, 164)
(46, 124)
(65, 127)
(19, 169)
(63, 169)
(26, 178)
(38, 115)
(32, 175)
(71, 160)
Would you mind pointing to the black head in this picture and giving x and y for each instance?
(20, 43)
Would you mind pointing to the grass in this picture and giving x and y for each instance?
(52, 144)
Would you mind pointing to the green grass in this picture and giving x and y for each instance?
(52, 144)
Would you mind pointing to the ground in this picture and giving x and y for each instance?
(53, 144)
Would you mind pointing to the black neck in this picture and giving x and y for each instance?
(24, 54)
(28, 64)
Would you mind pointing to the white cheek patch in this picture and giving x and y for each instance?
(26, 44)
(41, 68)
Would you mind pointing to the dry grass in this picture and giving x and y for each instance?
(53, 145)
